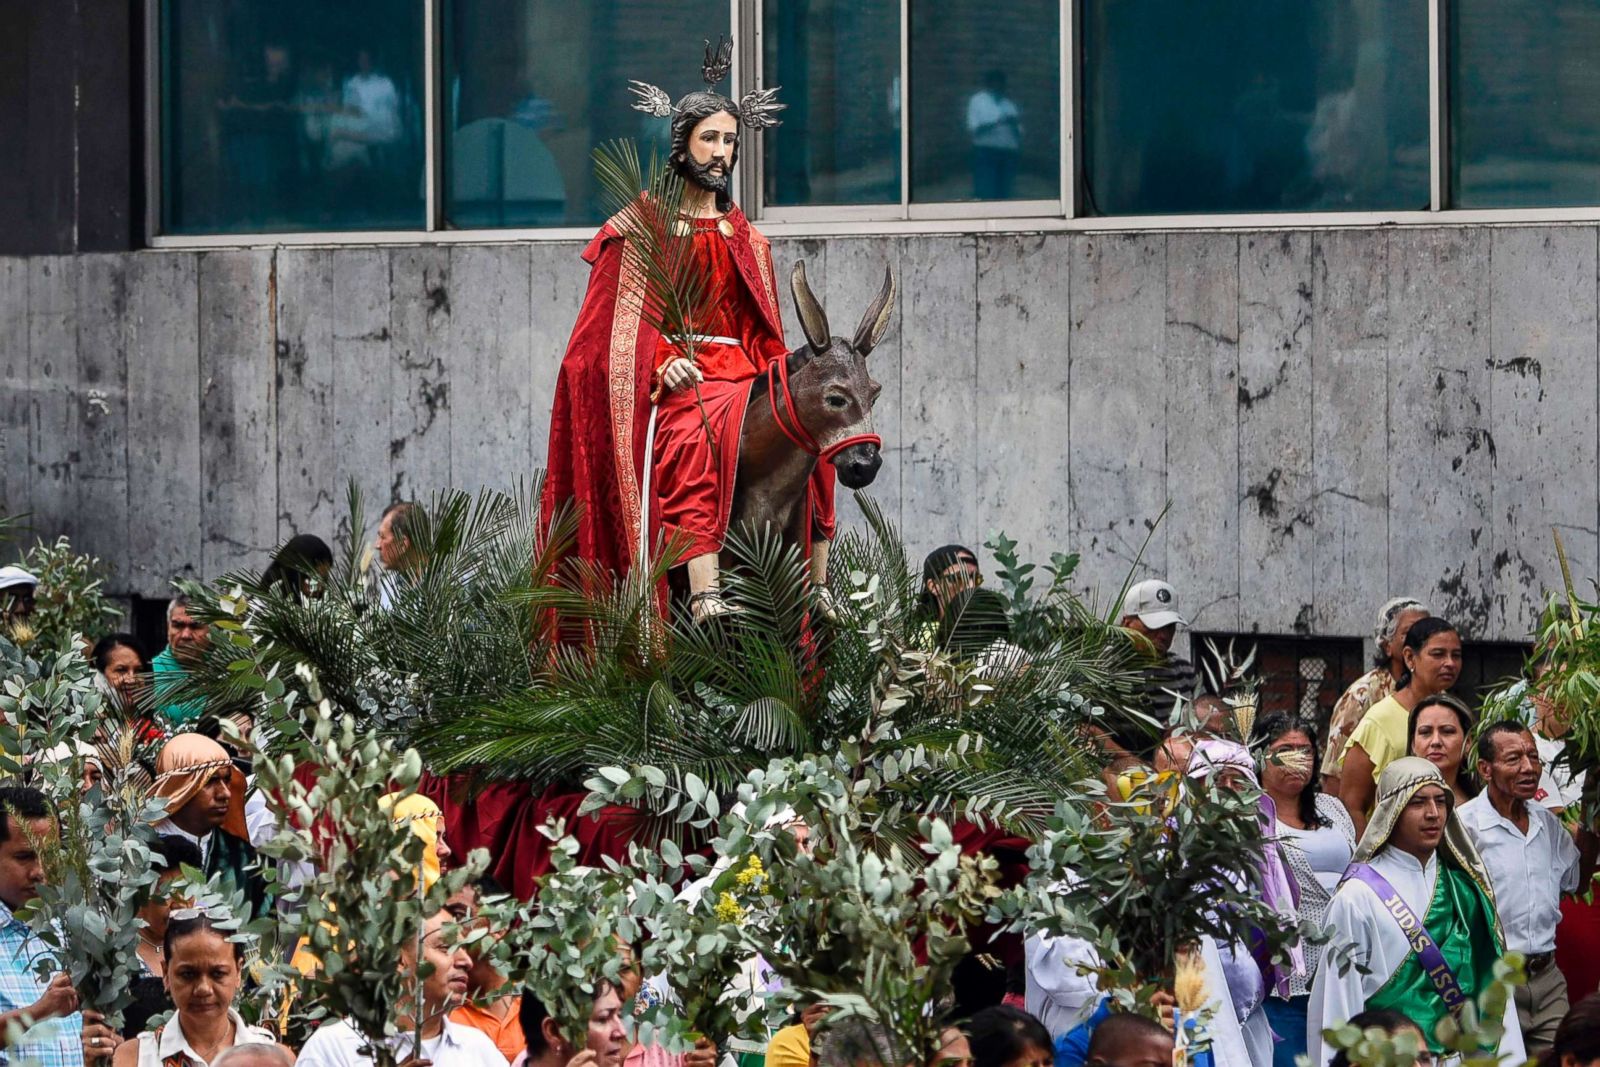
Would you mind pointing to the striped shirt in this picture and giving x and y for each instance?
(56, 1043)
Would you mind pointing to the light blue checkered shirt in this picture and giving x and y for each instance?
(53, 1044)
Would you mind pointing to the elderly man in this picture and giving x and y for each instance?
(187, 641)
(1394, 620)
(203, 795)
(1532, 861)
(1415, 914)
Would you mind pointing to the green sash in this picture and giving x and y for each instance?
(1461, 920)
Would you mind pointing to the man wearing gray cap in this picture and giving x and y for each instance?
(1150, 613)
(17, 587)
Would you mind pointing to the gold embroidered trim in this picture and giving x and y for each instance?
(622, 365)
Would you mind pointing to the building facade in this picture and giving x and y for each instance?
(1322, 277)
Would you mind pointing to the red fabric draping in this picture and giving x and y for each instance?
(1578, 946)
(505, 817)
(601, 413)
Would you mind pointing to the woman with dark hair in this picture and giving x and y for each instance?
(1577, 1038)
(1395, 619)
(123, 667)
(949, 571)
(203, 969)
(1004, 1036)
(1391, 1023)
(1317, 839)
(299, 568)
(1432, 657)
(1438, 732)
(149, 990)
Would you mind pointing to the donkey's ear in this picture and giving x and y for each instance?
(875, 323)
(813, 320)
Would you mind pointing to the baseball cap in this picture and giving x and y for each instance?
(11, 577)
(1155, 602)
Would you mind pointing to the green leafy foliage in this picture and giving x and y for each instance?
(1142, 878)
(809, 873)
(362, 902)
(1472, 1037)
(48, 701)
(70, 600)
(502, 654)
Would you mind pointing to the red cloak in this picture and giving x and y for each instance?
(600, 419)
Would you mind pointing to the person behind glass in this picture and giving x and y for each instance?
(1439, 728)
(300, 569)
(1532, 862)
(995, 126)
(1317, 839)
(62, 1037)
(202, 971)
(1577, 1041)
(169, 856)
(1432, 656)
(445, 1043)
(123, 668)
(1391, 1023)
(1004, 1036)
(1389, 636)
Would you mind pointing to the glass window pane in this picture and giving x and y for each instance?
(1525, 103)
(1254, 105)
(985, 100)
(291, 115)
(532, 86)
(838, 62)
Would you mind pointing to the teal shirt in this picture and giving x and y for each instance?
(169, 675)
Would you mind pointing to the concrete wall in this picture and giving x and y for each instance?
(1335, 416)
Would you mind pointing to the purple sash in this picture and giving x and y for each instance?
(1432, 961)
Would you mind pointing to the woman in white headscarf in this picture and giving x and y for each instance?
(1415, 914)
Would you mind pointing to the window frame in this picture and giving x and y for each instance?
(746, 22)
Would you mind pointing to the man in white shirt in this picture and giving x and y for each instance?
(444, 1043)
(995, 125)
(1532, 861)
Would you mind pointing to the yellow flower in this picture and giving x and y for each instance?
(754, 875)
(22, 633)
(728, 909)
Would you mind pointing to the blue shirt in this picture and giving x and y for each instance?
(56, 1043)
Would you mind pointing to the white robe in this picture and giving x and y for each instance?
(1356, 918)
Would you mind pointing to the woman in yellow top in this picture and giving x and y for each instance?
(1433, 663)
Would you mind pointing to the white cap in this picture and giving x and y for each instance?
(1155, 602)
(11, 577)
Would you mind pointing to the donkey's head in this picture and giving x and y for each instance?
(833, 393)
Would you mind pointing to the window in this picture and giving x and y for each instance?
(291, 116)
(985, 101)
(838, 62)
(1255, 105)
(1525, 103)
(984, 105)
(533, 86)
(1300, 675)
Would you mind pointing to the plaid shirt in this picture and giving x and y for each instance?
(56, 1043)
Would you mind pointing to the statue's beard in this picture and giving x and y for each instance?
(707, 176)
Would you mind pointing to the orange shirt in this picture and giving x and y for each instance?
(505, 1033)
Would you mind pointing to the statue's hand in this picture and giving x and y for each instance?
(680, 374)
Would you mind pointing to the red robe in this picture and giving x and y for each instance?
(600, 419)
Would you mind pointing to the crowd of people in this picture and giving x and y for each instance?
(1426, 844)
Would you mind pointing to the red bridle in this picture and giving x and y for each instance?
(793, 428)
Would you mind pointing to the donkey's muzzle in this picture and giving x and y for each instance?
(858, 465)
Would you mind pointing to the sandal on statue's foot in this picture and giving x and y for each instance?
(708, 605)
